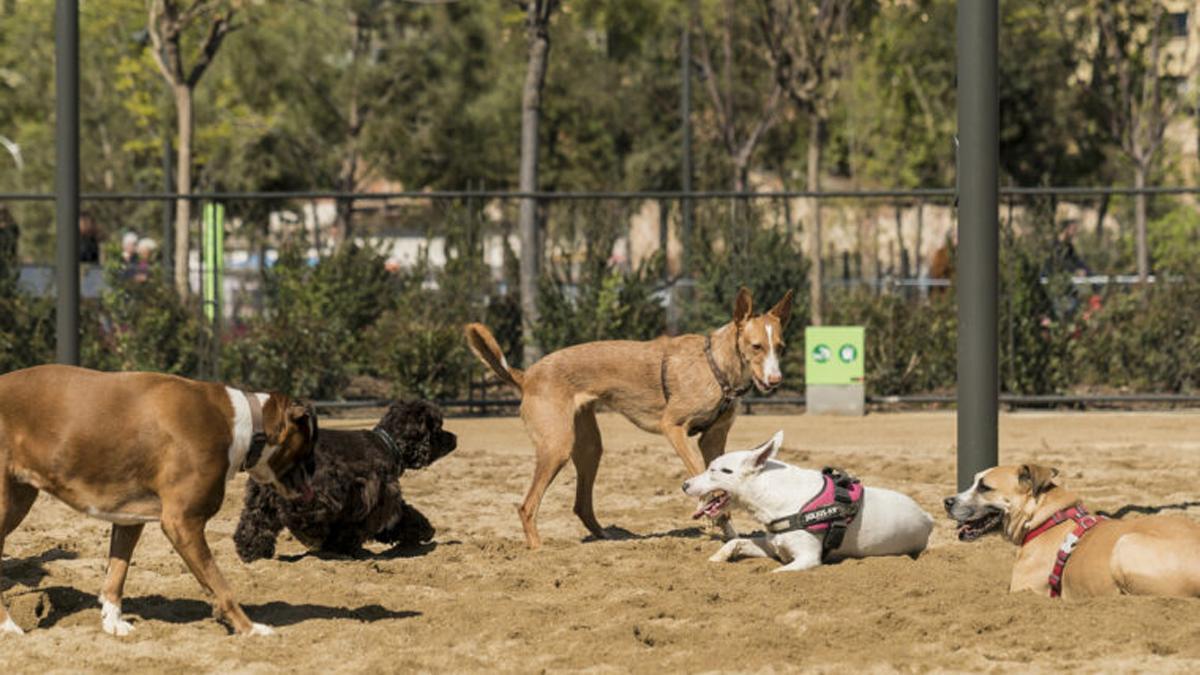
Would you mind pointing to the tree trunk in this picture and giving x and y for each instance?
(815, 266)
(183, 186)
(531, 111)
(1139, 224)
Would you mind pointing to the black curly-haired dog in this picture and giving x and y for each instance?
(356, 488)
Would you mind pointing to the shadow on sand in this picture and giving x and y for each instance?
(30, 571)
(393, 553)
(615, 533)
(59, 602)
(1147, 510)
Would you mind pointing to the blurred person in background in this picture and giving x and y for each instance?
(144, 258)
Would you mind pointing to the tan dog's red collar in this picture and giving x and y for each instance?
(1084, 521)
(258, 437)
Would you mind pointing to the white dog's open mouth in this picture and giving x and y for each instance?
(714, 502)
(973, 529)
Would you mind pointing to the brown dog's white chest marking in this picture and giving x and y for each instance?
(132, 448)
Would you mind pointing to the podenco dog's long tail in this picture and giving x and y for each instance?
(483, 343)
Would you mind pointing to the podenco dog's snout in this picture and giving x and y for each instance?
(774, 379)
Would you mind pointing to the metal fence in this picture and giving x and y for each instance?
(878, 241)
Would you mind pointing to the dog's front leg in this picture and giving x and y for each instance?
(745, 547)
(800, 550)
(712, 446)
(186, 534)
(677, 436)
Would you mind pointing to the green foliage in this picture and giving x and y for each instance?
(310, 334)
(26, 323)
(1143, 341)
(1036, 318)
(147, 326)
(911, 347)
(607, 305)
(733, 249)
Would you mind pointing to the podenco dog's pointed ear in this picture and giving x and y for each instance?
(766, 451)
(783, 309)
(743, 306)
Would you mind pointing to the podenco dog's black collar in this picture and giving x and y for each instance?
(729, 395)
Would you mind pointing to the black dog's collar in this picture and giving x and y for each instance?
(389, 443)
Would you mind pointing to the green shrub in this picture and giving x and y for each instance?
(911, 346)
(308, 340)
(26, 323)
(142, 324)
(605, 305)
(1142, 341)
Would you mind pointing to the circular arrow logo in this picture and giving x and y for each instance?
(822, 353)
(848, 353)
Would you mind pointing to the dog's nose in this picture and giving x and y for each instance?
(685, 485)
(774, 379)
(949, 503)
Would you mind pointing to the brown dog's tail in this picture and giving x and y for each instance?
(483, 343)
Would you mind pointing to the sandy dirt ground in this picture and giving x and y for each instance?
(478, 601)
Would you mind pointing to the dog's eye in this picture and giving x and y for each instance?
(757, 346)
(726, 470)
(983, 487)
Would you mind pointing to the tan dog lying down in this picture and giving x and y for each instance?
(1064, 549)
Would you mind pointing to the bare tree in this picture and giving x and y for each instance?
(1129, 63)
(169, 20)
(803, 40)
(364, 20)
(738, 140)
(537, 31)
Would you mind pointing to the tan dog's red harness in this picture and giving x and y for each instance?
(1084, 521)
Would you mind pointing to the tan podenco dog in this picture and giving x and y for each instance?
(675, 386)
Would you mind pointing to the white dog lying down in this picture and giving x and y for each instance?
(809, 516)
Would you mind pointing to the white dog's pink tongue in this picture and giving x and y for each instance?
(711, 506)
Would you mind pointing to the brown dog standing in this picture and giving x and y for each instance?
(1155, 555)
(133, 448)
(674, 386)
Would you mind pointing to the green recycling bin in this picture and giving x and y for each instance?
(833, 370)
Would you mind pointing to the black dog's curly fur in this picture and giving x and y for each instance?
(356, 489)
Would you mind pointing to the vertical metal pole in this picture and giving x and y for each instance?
(978, 238)
(168, 247)
(683, 286)
(66, 179)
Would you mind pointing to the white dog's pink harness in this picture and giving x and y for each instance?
(831, 511)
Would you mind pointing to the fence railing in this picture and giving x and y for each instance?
(905, 272)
